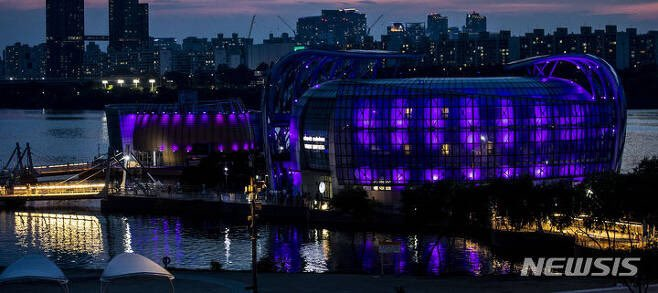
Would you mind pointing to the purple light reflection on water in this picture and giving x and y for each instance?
(286, 249)
(475, 266)
(436, 254)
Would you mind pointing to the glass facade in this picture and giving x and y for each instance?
(390, 133)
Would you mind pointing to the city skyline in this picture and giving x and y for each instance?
(24, 21)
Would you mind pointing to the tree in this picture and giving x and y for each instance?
(354, 201)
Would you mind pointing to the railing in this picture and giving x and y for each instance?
(53, 190)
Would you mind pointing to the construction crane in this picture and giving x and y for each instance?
(251, 26)
(294, 33)
(374, 23)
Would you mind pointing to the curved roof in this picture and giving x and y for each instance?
(33, 267)
(128, 265)
(484, 86)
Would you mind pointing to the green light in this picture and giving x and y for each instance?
(297, 48)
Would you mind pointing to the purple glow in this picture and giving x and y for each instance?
(570, 170)
(296, 178)
(399, 113)
(364, 117)
(235, 147)
(188, 148)
(474, 260)
(164, 120)
(363, 175)
(472, 174)
(189, 120)
(469, 113)
(127, 125)
(219, 119)
(220, 148)
(507, 172)
(436, 255)
(435, 138)
(433, 114)
(505, 136)
(506, 113)
(365, 137)
(541, 135)
(541, 115)
(174, 148)
(400, 176)
(399, 138)
(434, 175)
(540, 171)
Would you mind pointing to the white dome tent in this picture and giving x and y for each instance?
(132, 265)
(34, 268)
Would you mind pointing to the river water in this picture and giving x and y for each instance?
(88, 239)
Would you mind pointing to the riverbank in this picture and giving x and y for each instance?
(205, 281)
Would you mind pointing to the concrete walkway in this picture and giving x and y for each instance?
(232, 282)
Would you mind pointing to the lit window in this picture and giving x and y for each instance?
(445, 111)
(445, 149)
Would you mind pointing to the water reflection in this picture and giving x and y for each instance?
(90, 240)
(57, 232)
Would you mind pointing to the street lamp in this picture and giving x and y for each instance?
(136, 82)
(225, 175)
(121, 82)
(104, 82)
(152, 82)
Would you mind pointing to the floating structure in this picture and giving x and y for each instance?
(387, 134)
(169, 134)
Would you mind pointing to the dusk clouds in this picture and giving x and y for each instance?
(24, 20)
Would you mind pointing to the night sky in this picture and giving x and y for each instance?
(24, 20)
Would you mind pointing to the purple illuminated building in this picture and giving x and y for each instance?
(564, 120)
(171, 134)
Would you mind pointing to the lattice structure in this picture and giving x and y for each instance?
(386, 134)
(287, 82)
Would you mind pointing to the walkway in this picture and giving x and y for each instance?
(232, 282)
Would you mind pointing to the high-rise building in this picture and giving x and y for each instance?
(437, 26)
(394, 38)
(336, 29)
(475, 23)
(2, 69)
(129, 27)
(23, 62)
(95, 62)
(231, 51)
(270, 51)
(64, 38)
(415, 38)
